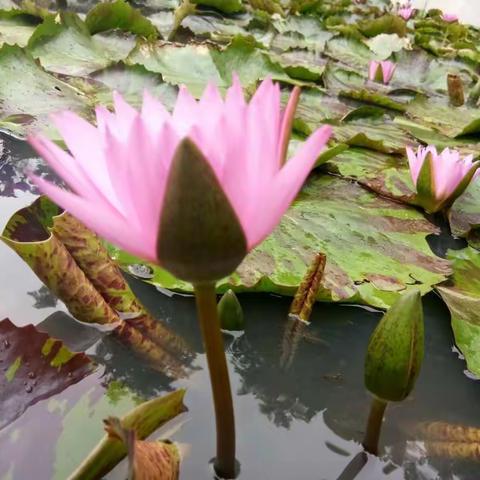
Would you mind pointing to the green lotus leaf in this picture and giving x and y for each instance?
(380, 135)
(375, 248)
(226, 6)
(195, 65)
(119, 15)
(428, 136)
(129, 80)
(27, 90)
(316, 107)
(462, 296)
(387, 24)
(385, 44)
(387, 175)
(439, 115)
(16, 27)
(464, 216)
(64, 45)
(351, 52)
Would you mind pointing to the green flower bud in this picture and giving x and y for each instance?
(230, 312)
(395, 350)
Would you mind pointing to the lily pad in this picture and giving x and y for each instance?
(450, 121)
(64, 45)
(382, 136)
(385, 44)
(316, 107)
(28, 94)
(131, 81)
(464, 216)
(15, 27)
(227, 6)
(119, 15)
(387, 175)
(351, 52)
(36, 367)
(340, 78)
(195, 65)
(190, 65)
(421, 71)
(462, 297)
(375, 248)
(428, 136)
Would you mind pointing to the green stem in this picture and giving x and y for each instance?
(374, 425)
(217, 365)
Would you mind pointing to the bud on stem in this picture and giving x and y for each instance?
(455, 90)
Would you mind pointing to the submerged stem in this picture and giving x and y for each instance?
(219, 379)
(374, 425)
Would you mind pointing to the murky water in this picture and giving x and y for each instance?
(305, 423)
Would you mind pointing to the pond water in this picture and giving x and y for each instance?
(304, 423)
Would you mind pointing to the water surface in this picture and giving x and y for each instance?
(304, 423)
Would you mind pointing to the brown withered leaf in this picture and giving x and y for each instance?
(71, 261)
(158, 460)
(36, 366)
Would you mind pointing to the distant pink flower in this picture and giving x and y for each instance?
(443, 179)
(381, 71)
(449, 17)
(121, 171)
(406, 11)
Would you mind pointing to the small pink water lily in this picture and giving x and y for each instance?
(440, 178)
(137, 177)
(406, 10)
(449, 17)
(381, 71)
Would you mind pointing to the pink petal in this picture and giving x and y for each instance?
(86, 145)
(415, 163)
(287, 124)
(185, 113)
(286, 185)
(449, 17)
(387, 69)
(98, 217)
(125, 115)
(265, 121)
(64, 165)
(406, 13)
(154, 114)
(234, 99)
(372, 69)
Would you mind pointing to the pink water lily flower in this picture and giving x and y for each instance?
(381, 71)
(190, 190)
(440, 178)
(406, 11)
(449, 17)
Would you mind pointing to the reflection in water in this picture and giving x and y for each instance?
(311, 412)
(15, 158)
(43, 297)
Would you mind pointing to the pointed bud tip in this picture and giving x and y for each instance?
(395, 351)
(230, 312)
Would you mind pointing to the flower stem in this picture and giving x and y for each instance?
(374, 425)
(219, 379)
